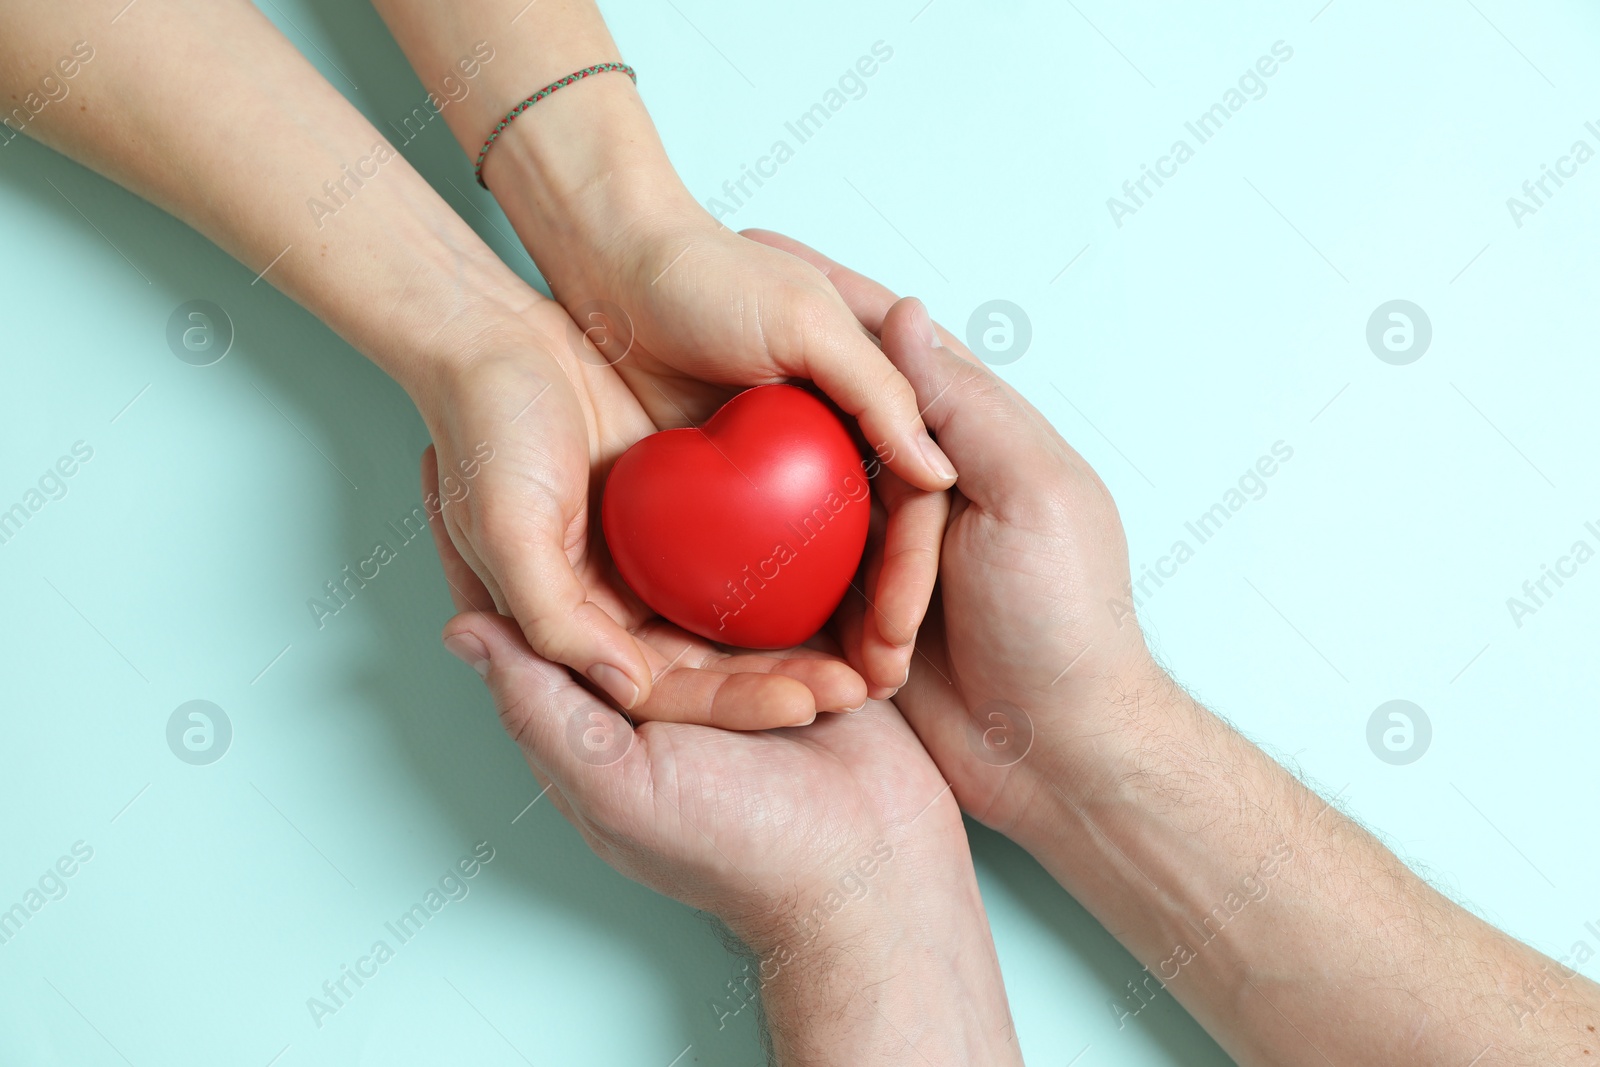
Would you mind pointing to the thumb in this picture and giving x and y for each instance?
(563, 729)
(1006, 452)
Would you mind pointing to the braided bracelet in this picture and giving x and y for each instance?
(598, 68)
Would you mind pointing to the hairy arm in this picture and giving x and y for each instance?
(1287, 930)
(905, 973)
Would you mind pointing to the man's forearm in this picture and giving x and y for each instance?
(1289, 932)
(202, 107)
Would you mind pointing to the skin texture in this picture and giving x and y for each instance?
(834, 851)
(489, 362)
(1142, 803)
(686, 310)
(1286, 929)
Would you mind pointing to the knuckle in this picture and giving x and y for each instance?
(811, 314)
(519, 713)
(893, 387)
(919, 559)
(547, 630)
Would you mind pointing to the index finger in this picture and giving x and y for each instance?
(869, 301)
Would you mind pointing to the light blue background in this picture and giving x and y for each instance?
(1227, 314)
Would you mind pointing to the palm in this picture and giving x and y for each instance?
(1002, 636)
(684, 808)
(522, 539)
(549, 425)
(701, 313)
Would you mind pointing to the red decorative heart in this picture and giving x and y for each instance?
(747, 530)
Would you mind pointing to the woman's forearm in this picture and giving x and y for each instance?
(531, 44)
(583, 169)
(202, 107)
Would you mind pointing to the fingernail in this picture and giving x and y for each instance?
(468, 649)
(618, 686)
(858, 707)
(924, 326)
(936, 459)
(906, 679)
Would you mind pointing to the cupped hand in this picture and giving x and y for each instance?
(754, 827)
(706, 312)
(524, 430)
(688, 313)
(1023, 648)
(835, 852)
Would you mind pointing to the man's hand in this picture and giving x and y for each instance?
(834, 851)
(1019, 651)
(1287, 930)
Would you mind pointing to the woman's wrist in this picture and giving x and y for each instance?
(414, 289)
(585, 180)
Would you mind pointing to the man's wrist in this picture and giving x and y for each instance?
(1138, 727)
(895, 967)
(1125, 815)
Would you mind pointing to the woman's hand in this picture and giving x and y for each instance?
(708, 311)
(688, 313)
(703, 311)
(525, 426)
(490, 363)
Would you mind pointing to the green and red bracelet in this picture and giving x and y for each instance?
(575, 76)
